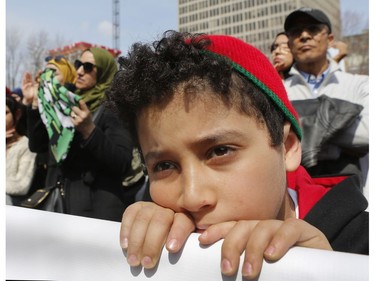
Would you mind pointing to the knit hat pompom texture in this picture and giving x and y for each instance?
(255, 66)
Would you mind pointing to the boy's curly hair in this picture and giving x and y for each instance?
(150, 74)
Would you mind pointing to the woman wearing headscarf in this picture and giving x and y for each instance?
(99, 153)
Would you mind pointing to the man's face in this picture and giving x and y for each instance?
(210, 161)
(309, 41)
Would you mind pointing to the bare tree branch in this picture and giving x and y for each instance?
(37, 49)
(14, 56)
(350, 22)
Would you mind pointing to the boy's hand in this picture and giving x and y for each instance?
(269, 239)
(146, 227)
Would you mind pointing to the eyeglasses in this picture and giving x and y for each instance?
(312, 29)
(56, 58)
(87, 66)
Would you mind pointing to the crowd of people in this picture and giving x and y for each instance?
(86, 151)
(234, 146)
(332, 104)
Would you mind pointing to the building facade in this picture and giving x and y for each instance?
(254, 21)
(358, 59)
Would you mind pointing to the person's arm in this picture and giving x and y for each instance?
(36, 131)
(29, 90)
(343, 50)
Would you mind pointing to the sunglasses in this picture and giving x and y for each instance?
(313, 29)
(87, 66)
(56, 58)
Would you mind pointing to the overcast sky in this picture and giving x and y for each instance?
(91, 21)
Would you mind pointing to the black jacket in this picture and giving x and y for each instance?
(336, 206)
(341, 216)
(93, 170)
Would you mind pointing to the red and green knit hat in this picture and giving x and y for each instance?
(255, 66)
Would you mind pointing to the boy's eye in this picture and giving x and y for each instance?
(219, 151)
(162, 166)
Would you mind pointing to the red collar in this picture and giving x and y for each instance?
(310, 190)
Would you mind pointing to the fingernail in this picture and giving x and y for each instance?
(147, 262)
(247, 269)
(226, 266)
(270, 251)
(132, 260)
(172, 244)
(204, 235)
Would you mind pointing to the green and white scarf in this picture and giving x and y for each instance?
(55, 106)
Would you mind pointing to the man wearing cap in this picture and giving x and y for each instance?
(332, 104)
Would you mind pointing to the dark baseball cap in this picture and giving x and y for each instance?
(316, 14)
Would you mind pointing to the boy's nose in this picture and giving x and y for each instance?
(196, 192)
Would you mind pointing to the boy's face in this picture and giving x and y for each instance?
(212, 162)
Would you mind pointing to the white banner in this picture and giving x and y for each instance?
(49, 246)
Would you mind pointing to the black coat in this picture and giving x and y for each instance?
(93, 170)
(340, 214)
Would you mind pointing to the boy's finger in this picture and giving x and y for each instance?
(180, 230)
(216, 232)
(127, 221)
(233, 246)
(137, 234)
(295, 232)
(257, 242)
(156, 236)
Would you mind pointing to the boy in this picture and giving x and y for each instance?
(218, 137)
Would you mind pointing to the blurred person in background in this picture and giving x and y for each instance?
(90, 173)
(332, 104)
(282, 57)
(20, 161)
